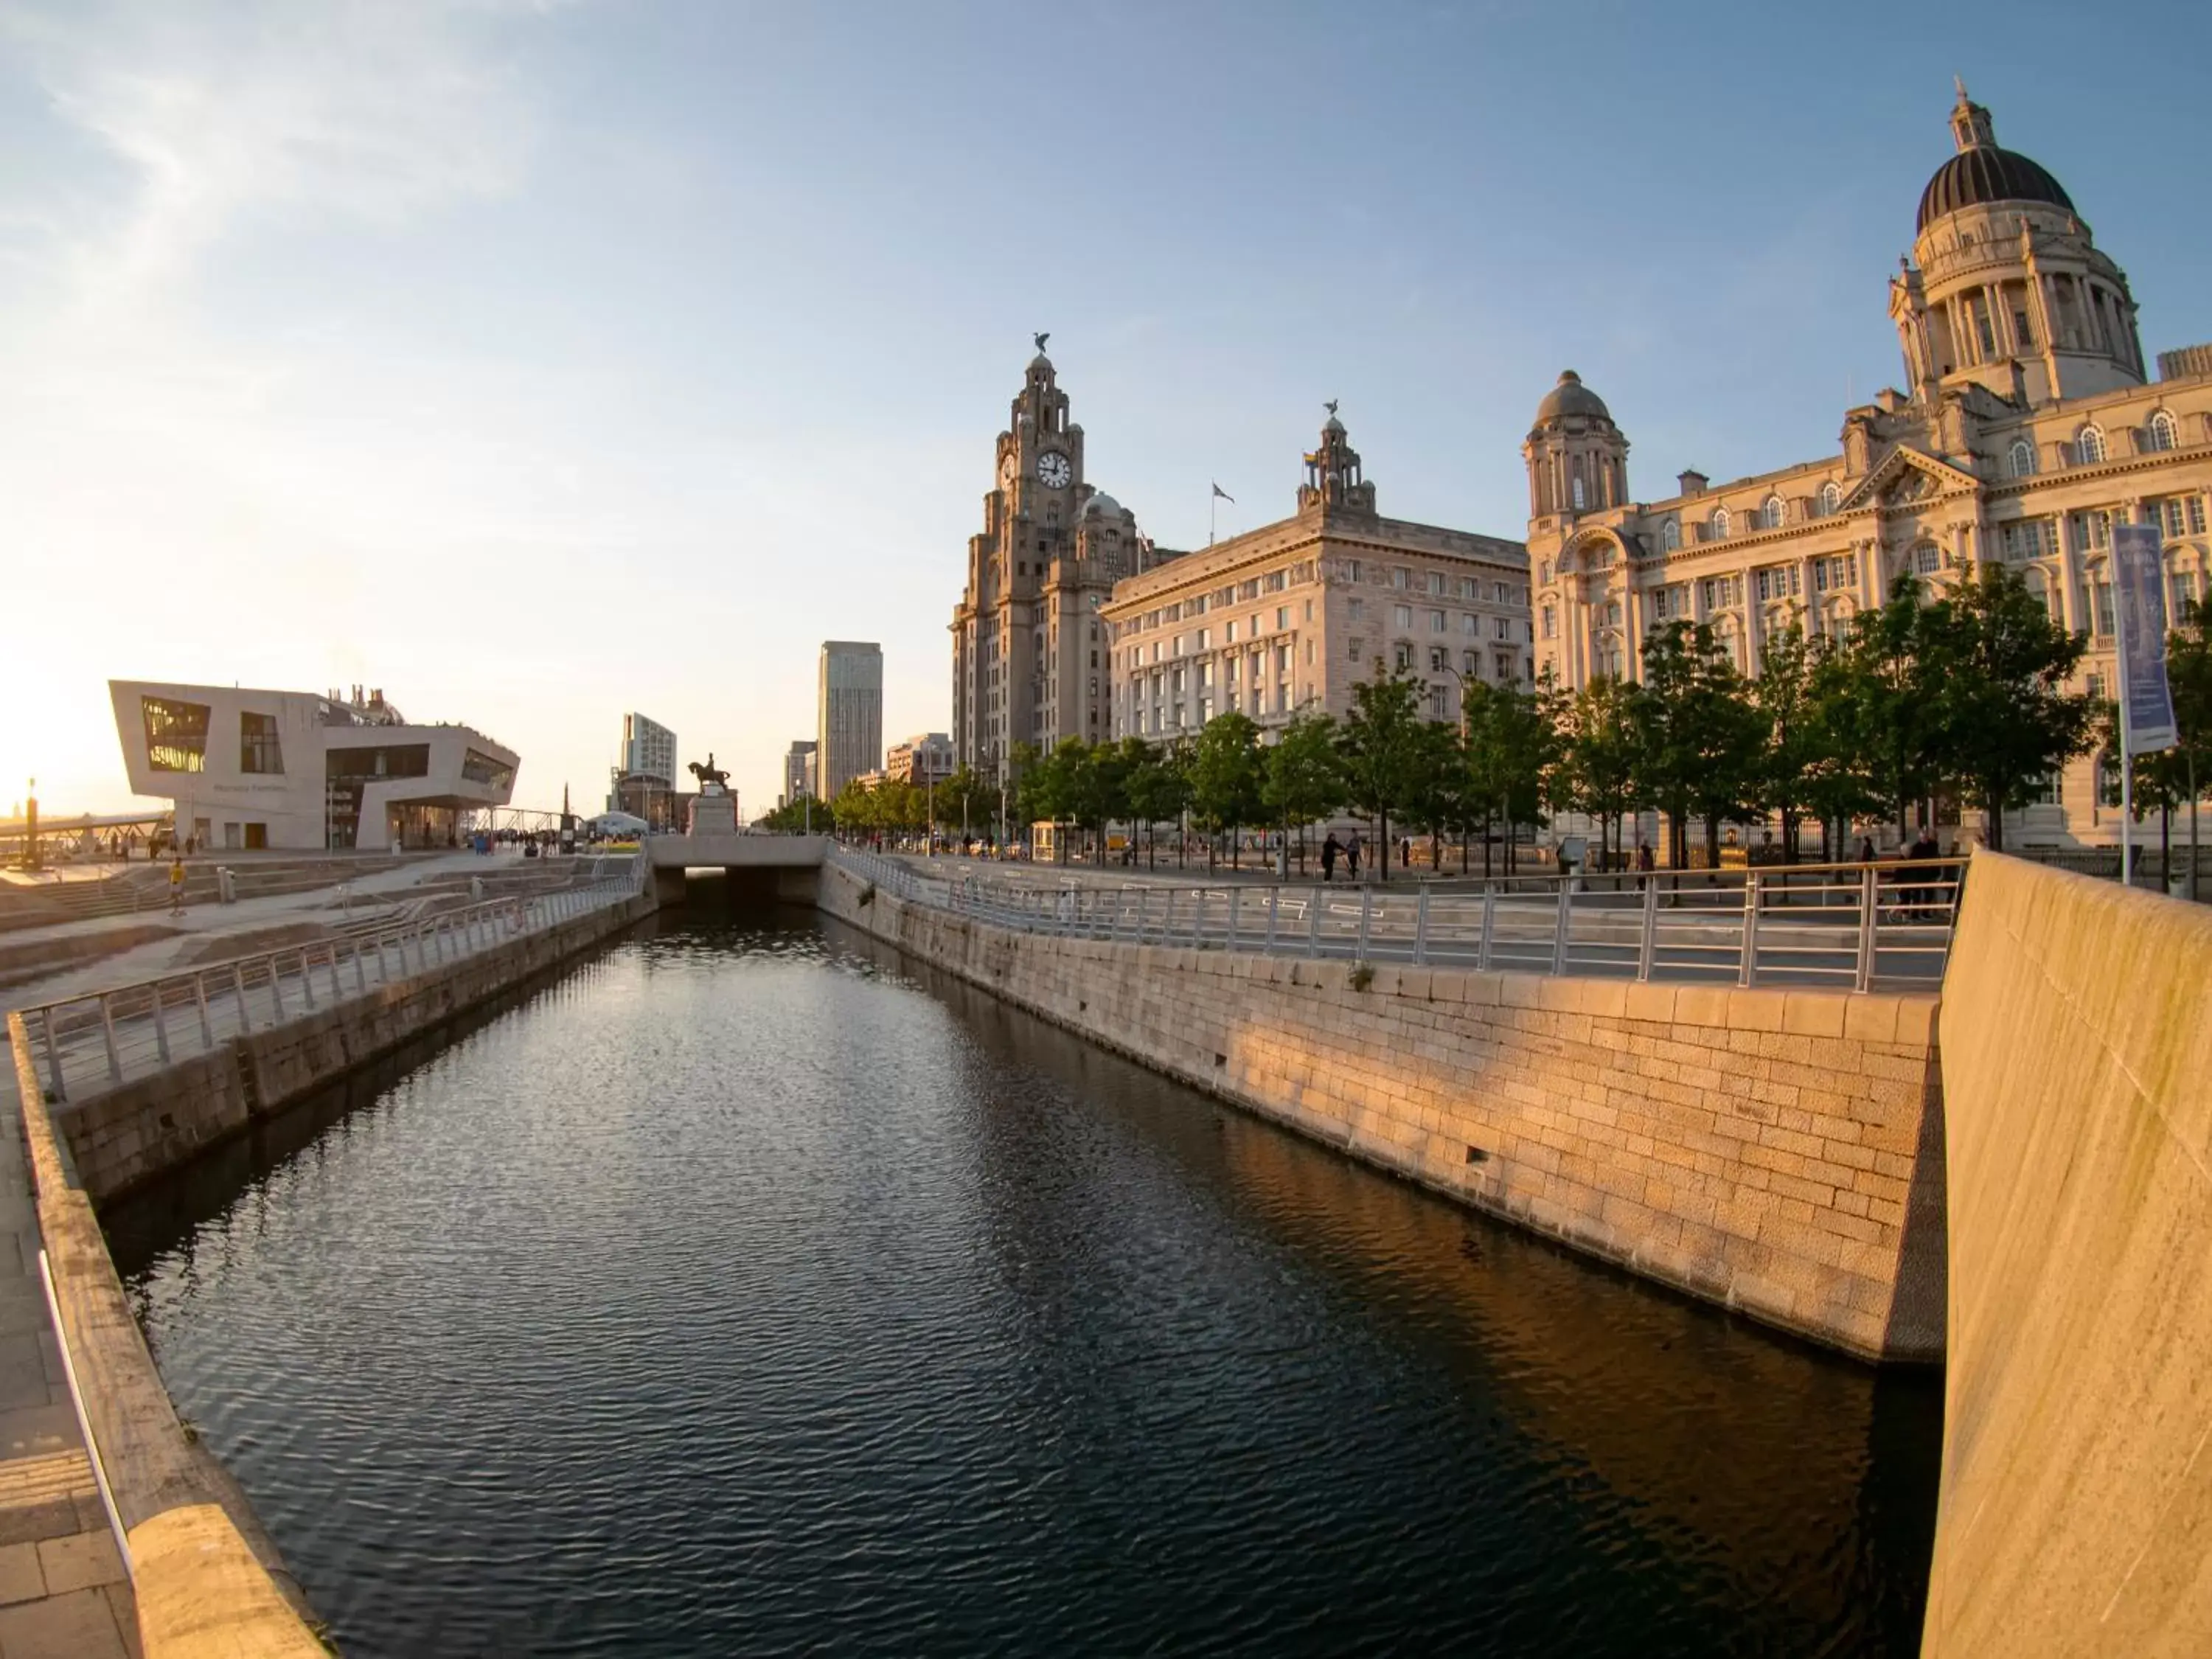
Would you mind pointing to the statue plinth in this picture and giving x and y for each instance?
(714, 814)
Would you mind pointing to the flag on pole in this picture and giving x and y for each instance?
(1225, 495)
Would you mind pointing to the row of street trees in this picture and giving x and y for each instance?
(1962, 695)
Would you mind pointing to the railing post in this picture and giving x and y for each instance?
(1366, 914)
(1313, 922)
(207, 1025)
(53, 1053)
(1274, 916)
(306, 978)
(1167, 927)
(107, 1034)
(338, 991)
(1236, 894)
(161, 1024)
(1561, 929)
(1648, 946)
(1482, 955)
(1869, 895)
(359, 973)
(277, 990)
(238, 985)
(1748, 971)
(1421, 927)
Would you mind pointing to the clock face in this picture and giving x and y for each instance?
(1052, 470)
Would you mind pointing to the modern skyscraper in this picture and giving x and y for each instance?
(849, 718)
(649, 749)
(798, 770)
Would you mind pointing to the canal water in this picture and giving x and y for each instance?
(753, 1290)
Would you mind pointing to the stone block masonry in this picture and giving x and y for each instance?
(138, 1131)
(1779, 1152)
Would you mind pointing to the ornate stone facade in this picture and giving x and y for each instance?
(1290, 615)
(2030, 431)
(1029, 656)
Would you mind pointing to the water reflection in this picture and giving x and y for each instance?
(756, 1289)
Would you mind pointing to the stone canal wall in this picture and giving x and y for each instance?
(1777, 1152)
(2077, 1041)
(141, 1129)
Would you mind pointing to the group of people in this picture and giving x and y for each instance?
(1333, 849)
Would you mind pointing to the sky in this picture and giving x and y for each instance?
(540, 361)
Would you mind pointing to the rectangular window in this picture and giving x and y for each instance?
(397, 760)
(1351, 570)
(1399, 576)
(1402, 615)
(1437, 582)
(1469, 623)
(1282, 659)
(1356, 649)
(1505, 630)
(1282, 616)
(1435, 622)
(1550, 622)
(1229, 632)
(1203, 638)
(176, 734)
(1405, 656)
(2092, 530)
(1438, 658)
(1436, 710)
(259, 752)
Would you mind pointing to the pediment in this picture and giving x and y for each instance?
(1907, 476)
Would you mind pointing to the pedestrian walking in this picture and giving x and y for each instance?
(1352, 858)
(177, 885)
(1329, 849)
(1865, 850)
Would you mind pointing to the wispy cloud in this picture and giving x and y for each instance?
(379, 110)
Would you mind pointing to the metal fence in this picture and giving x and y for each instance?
(1854, 926)
(83, 1044)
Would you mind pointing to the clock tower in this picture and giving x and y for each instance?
(1027, 663)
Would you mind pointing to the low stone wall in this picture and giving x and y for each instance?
(2077, 1066)
(206, 1581)
(142, 1129)
(1777, 1152)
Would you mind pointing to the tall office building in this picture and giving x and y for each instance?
(798, 770)
(649, 749)
(849, 719)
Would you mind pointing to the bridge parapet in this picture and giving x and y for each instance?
(737, 852)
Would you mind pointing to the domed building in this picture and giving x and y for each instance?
(2029, 428)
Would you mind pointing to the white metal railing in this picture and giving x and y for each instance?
(1854, 926)
(83, 1044)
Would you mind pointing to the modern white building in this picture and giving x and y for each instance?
(301, 771)
(649, 749)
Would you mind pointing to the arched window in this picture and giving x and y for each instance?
(1927, 559)
(1770, 516)
(2019, 463)
(1576, 490)
(2160, 432)
(2089, 445)
(1830, 498)
(1670, 536)
(1720, 523)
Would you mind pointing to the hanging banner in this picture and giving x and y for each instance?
(2139, 591)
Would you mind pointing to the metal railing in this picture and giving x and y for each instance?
(83, 1044)
(1853, 926)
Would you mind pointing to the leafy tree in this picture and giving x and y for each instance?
(1158, 789)
(2189, 675)
(1510, 744)
(797, 817)
(1892, 722)
(1784, 695)
(1382, 748)
(1440, 799)
(1995, 666)
(1225, 778)
(1302, 775)
(855, 810)
(964, 802)
(1599, 751)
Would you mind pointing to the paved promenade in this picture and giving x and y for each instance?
(63, 1594)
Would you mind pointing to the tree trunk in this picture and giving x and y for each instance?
(1383, 852)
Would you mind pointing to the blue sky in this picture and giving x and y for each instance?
(539, 361)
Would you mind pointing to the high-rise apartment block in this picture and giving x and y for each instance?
(649, 749)
(849, 714)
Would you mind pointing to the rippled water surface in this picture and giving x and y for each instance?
(753, 1291)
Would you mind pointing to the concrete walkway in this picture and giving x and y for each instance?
(63, 1594)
